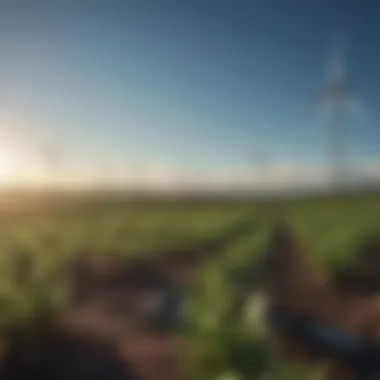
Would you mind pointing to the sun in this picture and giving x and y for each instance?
(9, 167)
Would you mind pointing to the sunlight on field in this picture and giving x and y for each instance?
(254, 314)
(230, 376)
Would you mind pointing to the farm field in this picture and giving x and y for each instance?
(229, 343)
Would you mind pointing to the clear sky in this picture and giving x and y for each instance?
(197, 84)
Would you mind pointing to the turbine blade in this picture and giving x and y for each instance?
(336, 70)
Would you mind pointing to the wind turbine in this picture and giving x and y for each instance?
(260, 162)
(51, 156)
(140, 176)
(339, 97)
(263, 166)
(104, 177)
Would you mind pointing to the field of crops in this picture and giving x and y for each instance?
(230, 344)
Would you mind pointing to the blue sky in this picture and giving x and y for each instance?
(192, 83)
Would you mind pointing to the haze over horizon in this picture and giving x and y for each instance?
(172, 91)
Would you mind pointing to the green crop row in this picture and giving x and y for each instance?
(232, 344)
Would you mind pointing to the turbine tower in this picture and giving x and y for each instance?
(338, 97)
(261, 166)
(51, 156)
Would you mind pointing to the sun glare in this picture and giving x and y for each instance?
(8, 167)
